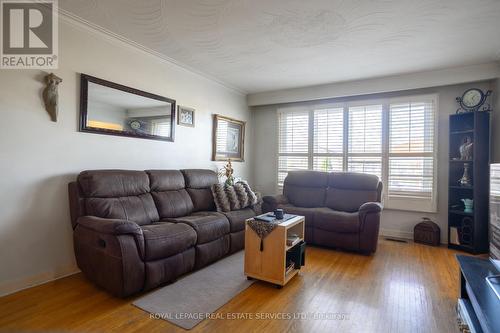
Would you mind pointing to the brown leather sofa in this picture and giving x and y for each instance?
(136, 230)
(342, 210)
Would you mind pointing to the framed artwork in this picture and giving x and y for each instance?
(185, 116)
(228, 139)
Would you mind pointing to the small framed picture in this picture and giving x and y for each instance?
(185, 116)
(228, 139)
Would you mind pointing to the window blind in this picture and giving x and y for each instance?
(328, 139)
(365, 139)
(293, 139)
(411, 153)
(392, 138)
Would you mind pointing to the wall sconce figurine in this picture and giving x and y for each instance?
(51, 96)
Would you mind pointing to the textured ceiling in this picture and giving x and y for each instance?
(261, 45)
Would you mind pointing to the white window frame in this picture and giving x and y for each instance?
(393, 202)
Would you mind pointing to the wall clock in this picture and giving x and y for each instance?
(472, 100)
(135, 125)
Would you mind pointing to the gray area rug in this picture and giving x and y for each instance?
(195, 297)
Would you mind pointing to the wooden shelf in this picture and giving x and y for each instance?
(461, 247)
(270, 264)
(462, 132)
(461, 212)
(457, 187)
(461, 161)
(290, 275)
(471, 227)
(288, 248)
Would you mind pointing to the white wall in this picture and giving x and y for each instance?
(402, 82)
(394, 223)
(38, 157)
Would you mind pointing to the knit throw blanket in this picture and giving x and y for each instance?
(263, 228)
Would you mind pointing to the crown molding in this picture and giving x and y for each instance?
(120, 40)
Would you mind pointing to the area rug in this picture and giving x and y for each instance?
(196, 296)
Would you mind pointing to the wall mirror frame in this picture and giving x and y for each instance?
(114, 109)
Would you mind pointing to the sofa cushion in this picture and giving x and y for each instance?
(237, 218)
(199, 178)
(348, 191)
(169, 193)
(208, 225)
(353, 181)
(173, 203)
(139, 209)
(113, 183)
(198, 183)
(166, 180)
(348, 200)
(317, 179)
(202, 199)
(308, 213)
(162, 240)
(306, 188)
(336, 221)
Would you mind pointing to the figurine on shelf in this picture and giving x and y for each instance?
(466, 149)
(227, 171)
(465, 180)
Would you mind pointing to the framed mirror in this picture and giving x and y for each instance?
(113, 109)
(228, 139)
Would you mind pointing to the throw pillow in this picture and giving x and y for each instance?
(238, 196)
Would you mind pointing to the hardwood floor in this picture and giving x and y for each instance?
(404, 287)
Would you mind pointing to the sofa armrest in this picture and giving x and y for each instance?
(370, 207)
(109, 226)
(369, 218)
(110, 252)
(271, 202)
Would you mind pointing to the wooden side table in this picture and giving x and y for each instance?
(270, 264)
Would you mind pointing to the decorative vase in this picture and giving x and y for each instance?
(229, 181)
(468, 204)
(465, 180)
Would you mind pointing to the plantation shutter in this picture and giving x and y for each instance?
(293, 142)
(365, 139)
(411, 176)
(328, 139)
(393, 139)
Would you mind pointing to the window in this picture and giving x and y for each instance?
(411, 154)
(393, 139)
(160, 127)
(293, 137)
(365, 139)
(328, 134)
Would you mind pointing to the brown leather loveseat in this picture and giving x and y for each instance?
(341, 209)
(135, 230)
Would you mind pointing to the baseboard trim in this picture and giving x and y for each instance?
(13, 286)
(400, 234)
(396, 233)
